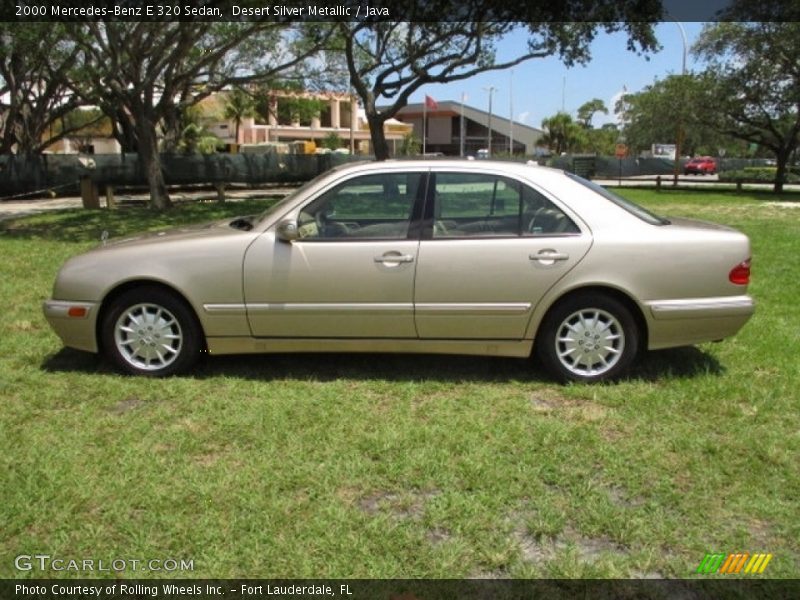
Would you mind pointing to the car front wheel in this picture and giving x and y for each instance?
(149, 331)
(588, 338)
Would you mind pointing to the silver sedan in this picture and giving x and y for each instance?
(458, 257)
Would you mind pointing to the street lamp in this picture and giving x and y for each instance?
(491, 89)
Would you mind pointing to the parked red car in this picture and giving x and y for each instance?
(700, 165)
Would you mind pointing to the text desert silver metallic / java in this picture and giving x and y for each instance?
(462, 257)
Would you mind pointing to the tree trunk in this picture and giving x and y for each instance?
(122, 129)
(173, 129)
(151, 164)
(782, 159)
(379, 146)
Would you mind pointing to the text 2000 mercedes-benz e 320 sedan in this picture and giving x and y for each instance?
(461, 257)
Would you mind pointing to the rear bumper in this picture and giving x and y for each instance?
(75, 331)
(701, 308)
(693, 320)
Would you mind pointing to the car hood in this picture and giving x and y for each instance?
(212, 229)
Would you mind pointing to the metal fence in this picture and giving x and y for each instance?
(608, 167)
(21, 175)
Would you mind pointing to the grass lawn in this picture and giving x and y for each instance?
(401, 466)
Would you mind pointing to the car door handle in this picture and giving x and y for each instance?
(549, 255)
(394, 258)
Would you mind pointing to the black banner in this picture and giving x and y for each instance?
(533, 11)
(398, 589)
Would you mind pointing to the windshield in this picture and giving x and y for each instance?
(636, 210)
(288, 199)
(301, 190)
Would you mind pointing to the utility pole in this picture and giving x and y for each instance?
(679, 135)
(511, 113)
(491, 89)
(461, 126)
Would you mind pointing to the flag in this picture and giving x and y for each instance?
(431, 103)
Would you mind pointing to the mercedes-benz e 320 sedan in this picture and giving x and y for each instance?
(461, 257)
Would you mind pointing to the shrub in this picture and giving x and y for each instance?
(758, 175)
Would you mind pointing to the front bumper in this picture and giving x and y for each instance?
(74, 322)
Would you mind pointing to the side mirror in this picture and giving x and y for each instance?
(287, 230)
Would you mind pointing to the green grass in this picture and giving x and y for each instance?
(401, 466)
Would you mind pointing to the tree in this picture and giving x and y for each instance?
(147, 74)
(561, 133)
(239, 105)
(389, 61)
(332, 141)
(651, 116)
(410, 145)
(35, 95)
(752, 83)
(601, 140)
(194, 138)
(588, 109)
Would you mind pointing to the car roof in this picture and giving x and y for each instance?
(461, 164)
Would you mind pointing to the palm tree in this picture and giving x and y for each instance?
(561, 133)
(238, 106)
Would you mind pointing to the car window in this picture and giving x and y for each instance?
(636, 210)
(483, 205)
(376, 206)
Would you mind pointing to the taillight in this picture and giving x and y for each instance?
(740, 274)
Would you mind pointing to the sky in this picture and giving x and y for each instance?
(541, 86)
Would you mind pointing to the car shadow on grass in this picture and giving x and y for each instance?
(652, 366)
(84, 225)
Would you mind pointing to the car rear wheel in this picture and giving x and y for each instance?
(589, 338)
(149, 331)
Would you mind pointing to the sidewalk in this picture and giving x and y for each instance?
(13, 209)
(710, 182)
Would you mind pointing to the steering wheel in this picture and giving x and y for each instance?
(321, 220)
(532, 222)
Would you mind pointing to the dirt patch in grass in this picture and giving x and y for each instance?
(647, 575)
(548, 402)
(126, 405)
(760, 534)
(620, 497)
(23, 326)
(438, 535)
(399, 506)
(543, 549)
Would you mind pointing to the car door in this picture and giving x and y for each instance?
(491, 249)
(350, 273)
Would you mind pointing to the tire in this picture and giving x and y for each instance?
(150, 331)
(588, 338)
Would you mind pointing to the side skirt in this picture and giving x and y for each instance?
(249, 345)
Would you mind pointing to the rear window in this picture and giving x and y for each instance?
(636, 210)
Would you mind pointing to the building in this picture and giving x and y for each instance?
(444, 130)
(336, 113)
